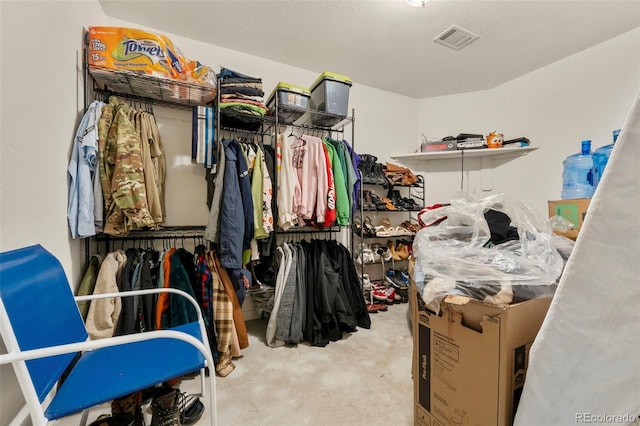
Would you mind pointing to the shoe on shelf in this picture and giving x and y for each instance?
(402, 251)
(392, 249)
(394, 281)
(404, 276)
(387, 295)
(369, 231)
(380, 205)
(385, 254)
(367, 201)
(365, 256)
(394, 196)
(378, 173)
(411, 227)
(411, 205)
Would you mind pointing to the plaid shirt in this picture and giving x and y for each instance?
(205, 296)
(223, 319)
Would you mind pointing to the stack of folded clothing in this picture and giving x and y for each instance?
(241, 100)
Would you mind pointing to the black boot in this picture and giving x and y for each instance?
(368, 163)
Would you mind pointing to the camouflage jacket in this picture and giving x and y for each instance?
(121, 171)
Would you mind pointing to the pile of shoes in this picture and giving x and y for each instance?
(394, 289)
(385, 229)
(398, 175)
(394, 201)
(371, 170)
(402, 203)
(169, 407)
(373, 253)
(368, 288)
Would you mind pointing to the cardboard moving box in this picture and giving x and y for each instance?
(573, 210)
(470, 361)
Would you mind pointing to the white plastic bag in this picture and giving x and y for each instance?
(456, 254)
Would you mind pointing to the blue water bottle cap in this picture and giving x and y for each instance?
(586, 146)
(616, 133)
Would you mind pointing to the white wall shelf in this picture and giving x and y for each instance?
(487, 158)
(468, 153)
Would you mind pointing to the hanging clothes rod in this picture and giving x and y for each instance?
(242, 131)
(159, 234)
(308, 230)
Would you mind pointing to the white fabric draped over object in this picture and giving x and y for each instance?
(585, 361)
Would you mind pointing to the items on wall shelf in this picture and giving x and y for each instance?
(138, 63)
(148, 88)
(442, 155)
(488, 159)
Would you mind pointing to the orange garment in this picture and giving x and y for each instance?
(162, 304)
(238, 317)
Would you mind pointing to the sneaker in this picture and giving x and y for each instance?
(404, 276)
(395, 280)
(384, 253)
(165, 408)
(387, 295)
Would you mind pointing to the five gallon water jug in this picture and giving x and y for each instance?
(577, 174)
(601, 158)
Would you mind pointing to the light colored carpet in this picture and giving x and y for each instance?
(363, 379)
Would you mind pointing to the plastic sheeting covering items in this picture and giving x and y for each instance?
(585, 362)
(472, 253)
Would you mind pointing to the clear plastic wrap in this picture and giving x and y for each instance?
(457, 255)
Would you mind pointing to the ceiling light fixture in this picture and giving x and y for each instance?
(416, 3)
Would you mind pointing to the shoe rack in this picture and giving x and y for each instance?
(384, 233)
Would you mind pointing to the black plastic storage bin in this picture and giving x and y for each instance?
(293, 102)
(330, 94)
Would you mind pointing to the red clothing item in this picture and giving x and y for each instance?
(330, 212)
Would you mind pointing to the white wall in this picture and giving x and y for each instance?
(40, 105)
(584, 96)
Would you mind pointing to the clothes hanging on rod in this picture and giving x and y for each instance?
(116, 171)
(82, 183)
(122, 171)
(243, 184)
(317, 295)
(315, 181)
(199, 274)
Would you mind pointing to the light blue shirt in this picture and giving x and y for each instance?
(81, 173)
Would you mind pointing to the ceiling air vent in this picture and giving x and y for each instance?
(455, 37)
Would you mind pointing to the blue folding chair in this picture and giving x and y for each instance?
(44, 334)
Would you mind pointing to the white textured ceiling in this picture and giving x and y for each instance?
(388, 44)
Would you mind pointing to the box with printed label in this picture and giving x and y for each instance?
(469, 362)
(573, 210)
(129, 49)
